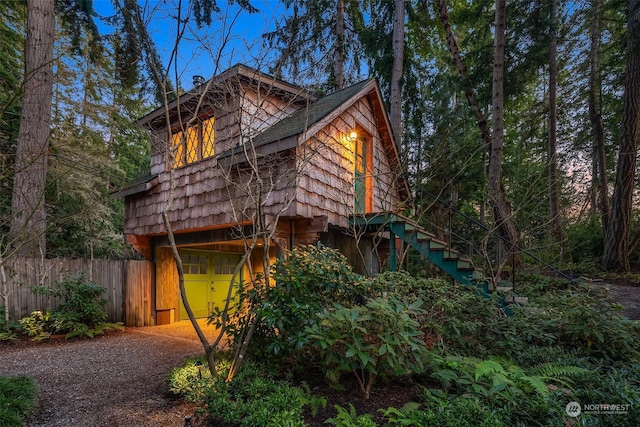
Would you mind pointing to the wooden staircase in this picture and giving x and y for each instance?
(449, 260)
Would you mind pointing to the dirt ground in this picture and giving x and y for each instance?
(621, 291)
(114, 380)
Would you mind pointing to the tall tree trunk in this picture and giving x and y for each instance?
(338, 54)
(502, 215)
(462, 70)
(616, 245)
(554, 196)
(599, 156)
(28, 223)
(397, 70)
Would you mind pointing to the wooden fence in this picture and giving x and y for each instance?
(128, 284)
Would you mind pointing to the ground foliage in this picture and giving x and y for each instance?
(81, 312)
(18, 399)
(476, 367)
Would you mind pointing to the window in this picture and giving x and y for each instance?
(194, 263)
(198, 144)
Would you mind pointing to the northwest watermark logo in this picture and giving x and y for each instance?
(574, 409)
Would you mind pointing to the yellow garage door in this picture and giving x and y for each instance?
(207, 276)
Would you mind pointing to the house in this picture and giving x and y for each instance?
(244, 155)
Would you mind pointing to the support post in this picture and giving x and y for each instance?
(392, 251)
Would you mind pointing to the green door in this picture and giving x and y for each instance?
(360, 182)
(206, 280)
(197, 280)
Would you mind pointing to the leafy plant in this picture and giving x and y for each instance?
(82, 301)
(252, 399)
(36, 325)
(7, 328)
(497, 377)
(308, 280)
(350, 418)
(577, 317)
(81, 313)
(18, 399)
(381, 338)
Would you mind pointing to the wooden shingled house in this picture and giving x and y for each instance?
(247, 149)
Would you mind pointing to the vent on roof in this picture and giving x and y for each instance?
(197, 80)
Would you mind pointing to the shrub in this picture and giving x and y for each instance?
(17, 400)
(253, 399)
(82, 311)
(379, 339)
(306, 282)
(576, 318)
(37, 325)
(7, 328)
(82, 301)
(456, 318)
(350, 418)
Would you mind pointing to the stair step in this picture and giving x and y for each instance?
(465, 265)
(451, 255)
(512, 299)
(504, 289)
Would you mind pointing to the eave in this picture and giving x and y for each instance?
(140, 185)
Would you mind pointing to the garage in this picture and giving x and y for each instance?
(206, 278)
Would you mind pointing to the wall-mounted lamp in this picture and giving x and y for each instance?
(353, 135)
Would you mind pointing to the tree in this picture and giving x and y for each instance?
(502, 214)
(617, 238)
(599, 173)
(319, 37)
(554, 196)
(27, 207)
(395, 98)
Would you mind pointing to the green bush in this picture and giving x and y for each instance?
(37, 325)
(350, 418)
(8, 330)
(253, 399)
(455, 318)
(193, 380)
(379, 339)
(82, 301)
(306, 282)
(576, 319)
(82, 311)
(18, 399)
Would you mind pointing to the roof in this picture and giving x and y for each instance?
(140, 184)
(303, 119)
(239, 72)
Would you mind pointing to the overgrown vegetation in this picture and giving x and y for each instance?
(18, 400)
(461, 360)
(81, 312)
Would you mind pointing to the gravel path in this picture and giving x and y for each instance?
(114, 380)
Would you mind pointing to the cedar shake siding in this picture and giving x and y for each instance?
(322, 160)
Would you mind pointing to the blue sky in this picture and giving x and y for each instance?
(199, 47)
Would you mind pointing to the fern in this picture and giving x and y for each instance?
(489, 368)
(552, 371)
(535, 383)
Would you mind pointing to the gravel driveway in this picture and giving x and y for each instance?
(115, 380)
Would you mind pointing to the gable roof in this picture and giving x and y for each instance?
(304, 123)
(238, 72)
(303, 119)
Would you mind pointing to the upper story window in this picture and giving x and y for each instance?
(193, 144)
